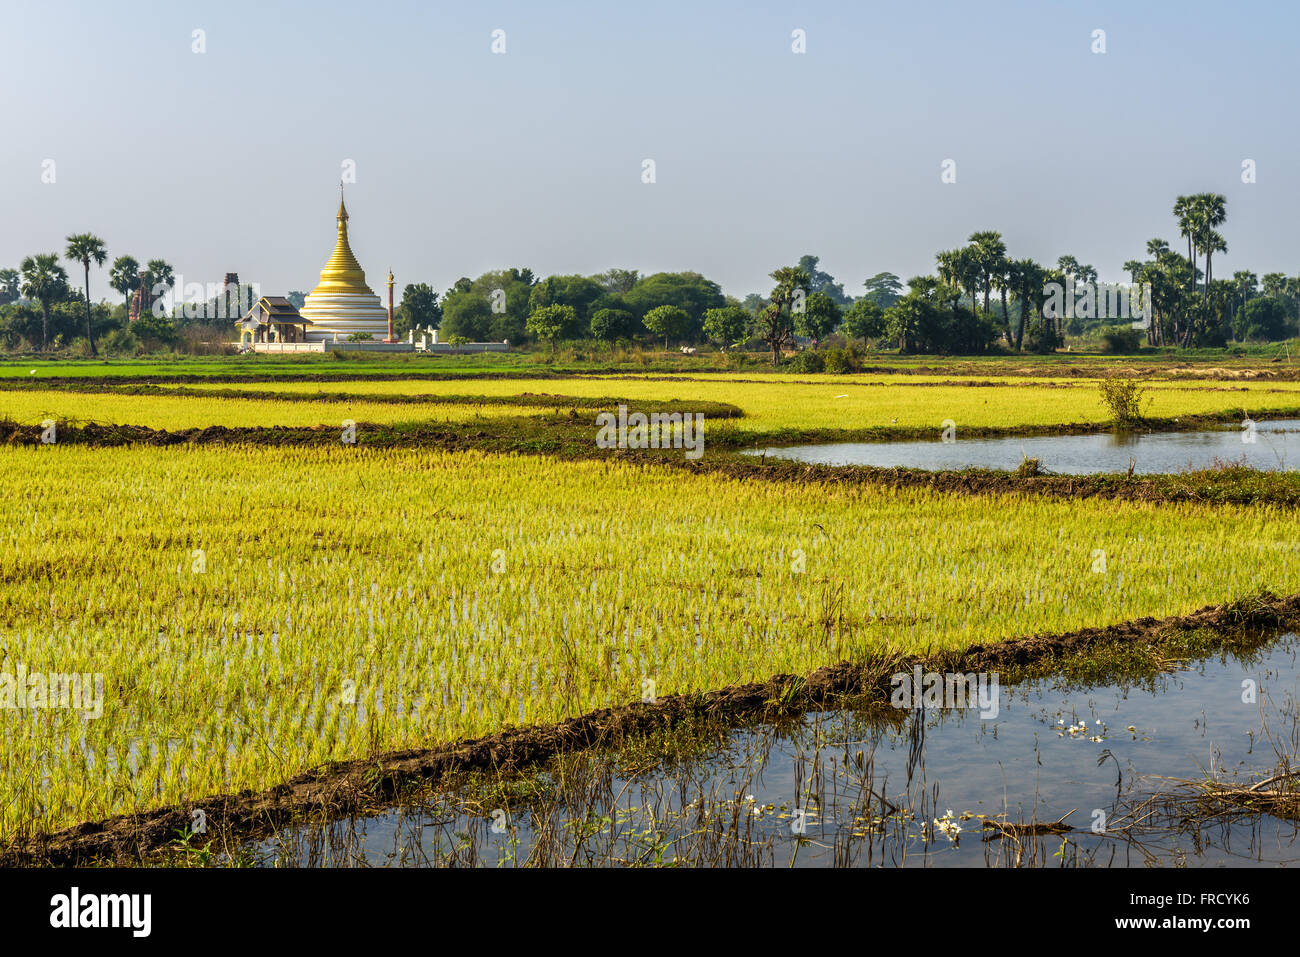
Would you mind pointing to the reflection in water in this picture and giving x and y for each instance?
(1063, 775)
(1269, 446)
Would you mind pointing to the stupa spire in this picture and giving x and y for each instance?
(342, 273)
(342, 304)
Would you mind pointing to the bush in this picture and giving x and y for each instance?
(810, 360)
(841, 361)
(1121, 339)
(1123, 396)
(121, 342)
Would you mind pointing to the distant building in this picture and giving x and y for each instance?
(273, 319)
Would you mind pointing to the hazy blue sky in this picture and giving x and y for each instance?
(466, 160)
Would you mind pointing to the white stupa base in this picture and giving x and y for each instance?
(343, 315)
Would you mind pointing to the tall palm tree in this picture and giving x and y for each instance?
(9, 280)
(1184, 212)
(45, 281)
(1003, 281)
(1273, 284)
(157, 273)
(1210, 210)
(1246, 283)
(82, 248)
(988, 251)
(125, 277)
(1027, 277)
(948, 261)
(1211, 244)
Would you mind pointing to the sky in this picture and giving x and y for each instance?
(228, 158)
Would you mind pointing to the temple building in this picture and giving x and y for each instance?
(342, 304)
(273, 319)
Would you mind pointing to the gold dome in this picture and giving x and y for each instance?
(342, 274)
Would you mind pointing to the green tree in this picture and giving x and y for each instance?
(884, 289)
(45, 281)
(819, 317)
(823, 282)
(688, 291)
(904, 321)
(610, 325)
(580, 292)
(667, 321)
(419, 309)
(864, 320)
(493, 307)
(727, 326)
(1264, 319)
(618, 282)
(466, 314)
(551, 323)
(775, 325)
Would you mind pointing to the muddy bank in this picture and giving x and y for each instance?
(349, 786)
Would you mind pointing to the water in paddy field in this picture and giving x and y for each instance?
(891, 787)
(1276, 447)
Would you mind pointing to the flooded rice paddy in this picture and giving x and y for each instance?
(1063, 774)
(1269, 446)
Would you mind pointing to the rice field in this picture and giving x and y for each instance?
(190, 412)
(777, 402)
(255, 612)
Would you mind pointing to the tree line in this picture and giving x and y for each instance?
(979, 298)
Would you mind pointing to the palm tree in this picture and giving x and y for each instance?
(125, 277)
(1002, 281)
(8, 285)
(1027, 286)
(1213, 243)
(988, 252)
(1184, 212)
(1246, 282)
(82, 248)
(157, 273)
(1209, 212)
(1069, 268)
(1274, 284)
(45, 281)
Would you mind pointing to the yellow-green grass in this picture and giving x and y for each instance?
(855, 402)
(185, 412)
(234, 599)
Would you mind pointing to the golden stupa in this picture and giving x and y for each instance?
(342, 304)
